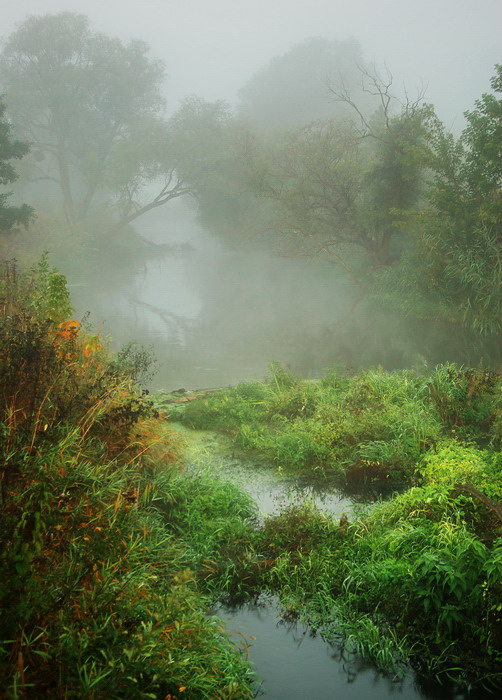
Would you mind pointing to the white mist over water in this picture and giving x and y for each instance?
(213, 316)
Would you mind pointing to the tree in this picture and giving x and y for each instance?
(293, 89)
(454, 270)
(144, 172)
(10, 216)
(207, 147)
(451, 272)
(339, 186)
(79, 97)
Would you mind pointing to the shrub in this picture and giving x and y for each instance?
(96, 595)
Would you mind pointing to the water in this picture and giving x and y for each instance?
(292, 663)
(270, 487)
(213, 316)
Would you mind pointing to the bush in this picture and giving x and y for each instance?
(374, 426)
(410, 582)
(96, 594)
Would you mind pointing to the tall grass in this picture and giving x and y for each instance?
(416, 583)
(373, 426)
(99, 589)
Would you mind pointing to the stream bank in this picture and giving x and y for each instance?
(276, 629)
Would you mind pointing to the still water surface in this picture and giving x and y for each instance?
(291, 662)
(213, 316)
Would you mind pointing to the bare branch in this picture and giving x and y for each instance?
(165, 195)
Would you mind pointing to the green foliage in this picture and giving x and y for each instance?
(98, 576)
(371, 426)
(136, 361)
(468, 400)
(211, 519)
(91, 107)
(10, 216)
(454, 464)
(50, 297)
(453, 269)
(409, 583)
(51, 372)
(415, 581)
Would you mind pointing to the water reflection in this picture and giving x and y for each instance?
(292, 663)
(214, 316)
(270, 488)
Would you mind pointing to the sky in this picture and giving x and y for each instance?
(212, 47)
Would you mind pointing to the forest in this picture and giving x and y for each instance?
(115, 549)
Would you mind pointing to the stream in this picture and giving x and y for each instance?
(215, 317)
(290, 661)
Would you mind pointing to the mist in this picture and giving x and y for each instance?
(215, 280)
(213, 49)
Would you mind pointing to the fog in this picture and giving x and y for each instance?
(212, 48)
(215, 316)
(217, 313)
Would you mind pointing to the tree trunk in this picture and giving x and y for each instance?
(65, 183)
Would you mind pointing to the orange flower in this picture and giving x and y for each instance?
(69, 329)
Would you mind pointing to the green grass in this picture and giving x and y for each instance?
(111, 554)
(373, 426)
(416, 582)
(104, 544)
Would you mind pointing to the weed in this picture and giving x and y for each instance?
(98, 588)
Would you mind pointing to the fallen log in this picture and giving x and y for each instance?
(479, 496)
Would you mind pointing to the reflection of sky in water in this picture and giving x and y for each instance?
(215, 316)
(268, 486)
(272, 490)
(293, 664)
(160, 298)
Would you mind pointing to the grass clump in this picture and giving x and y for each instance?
(372, 426)
(99, 590)
(415, 582)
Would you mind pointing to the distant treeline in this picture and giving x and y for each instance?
(308, 165)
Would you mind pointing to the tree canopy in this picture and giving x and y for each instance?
(81, 97)
(339, 186)
(454, 270)
(10, 148)
(293, 89)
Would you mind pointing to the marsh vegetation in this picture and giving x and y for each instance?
(346, 225)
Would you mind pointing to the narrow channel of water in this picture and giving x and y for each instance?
(291, 662)
(270, 487)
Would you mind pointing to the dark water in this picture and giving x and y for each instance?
(292, 663)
